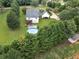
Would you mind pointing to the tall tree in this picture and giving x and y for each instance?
(13, 21)
(7, 3)
(73, 3)
(15, 7)
(1, 6)
(35, 2)
(13, 17)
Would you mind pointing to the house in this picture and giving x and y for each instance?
(32, 15)
(32, 18)
(45, 14)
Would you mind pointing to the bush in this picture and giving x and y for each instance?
(65, 15)
(71, 27)
(62, 7)
(73, 3)
(51, 4)
(76, 19)
(35, 3)
(69, 14)
(24, 11)
(13, 21)
(57, 5)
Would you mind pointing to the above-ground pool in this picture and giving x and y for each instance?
(32, 30)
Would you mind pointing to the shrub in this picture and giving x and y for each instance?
(35, 3)
(51, 4)
(69, 14)
(24, 11)
(57, 5)
(62, 7)
(76, 19)
(73, 3)
(71, 27)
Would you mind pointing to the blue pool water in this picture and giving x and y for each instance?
(32, 30)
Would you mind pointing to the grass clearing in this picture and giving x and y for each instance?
(7, 36)
(45, 22)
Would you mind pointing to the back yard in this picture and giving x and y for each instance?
(7, 35)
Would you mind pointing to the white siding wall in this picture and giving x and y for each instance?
(45, 15)
(34, 20)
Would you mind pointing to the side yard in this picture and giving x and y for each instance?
(6, 35)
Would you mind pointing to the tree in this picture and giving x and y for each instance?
(62, 7)
(73, 3)
(13, 16)
(28, 2)
(71, 27)
(51, 4)
(69, 14)
(21, 2)
(40, 1)
(15, 8)
(76, 19)
(35, 2)
(1, 6)
(52, 35)
(13, 21)
(13, 54)
(65, 15)
(7, 3)
(44, 2)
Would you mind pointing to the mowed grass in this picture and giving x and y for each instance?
(46, 22)
(7, 36)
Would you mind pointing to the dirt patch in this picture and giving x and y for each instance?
(76, 56)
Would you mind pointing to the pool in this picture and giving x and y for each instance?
(32, 30)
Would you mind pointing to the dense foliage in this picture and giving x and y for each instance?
(76, 19)
(13, 16)
(69, 13)
(35, 3)
(12, 21)
(15, 8)
(73, 3)
(47, 37)
(7, 3)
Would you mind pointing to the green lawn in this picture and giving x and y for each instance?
(45, 22)
(7, 35)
